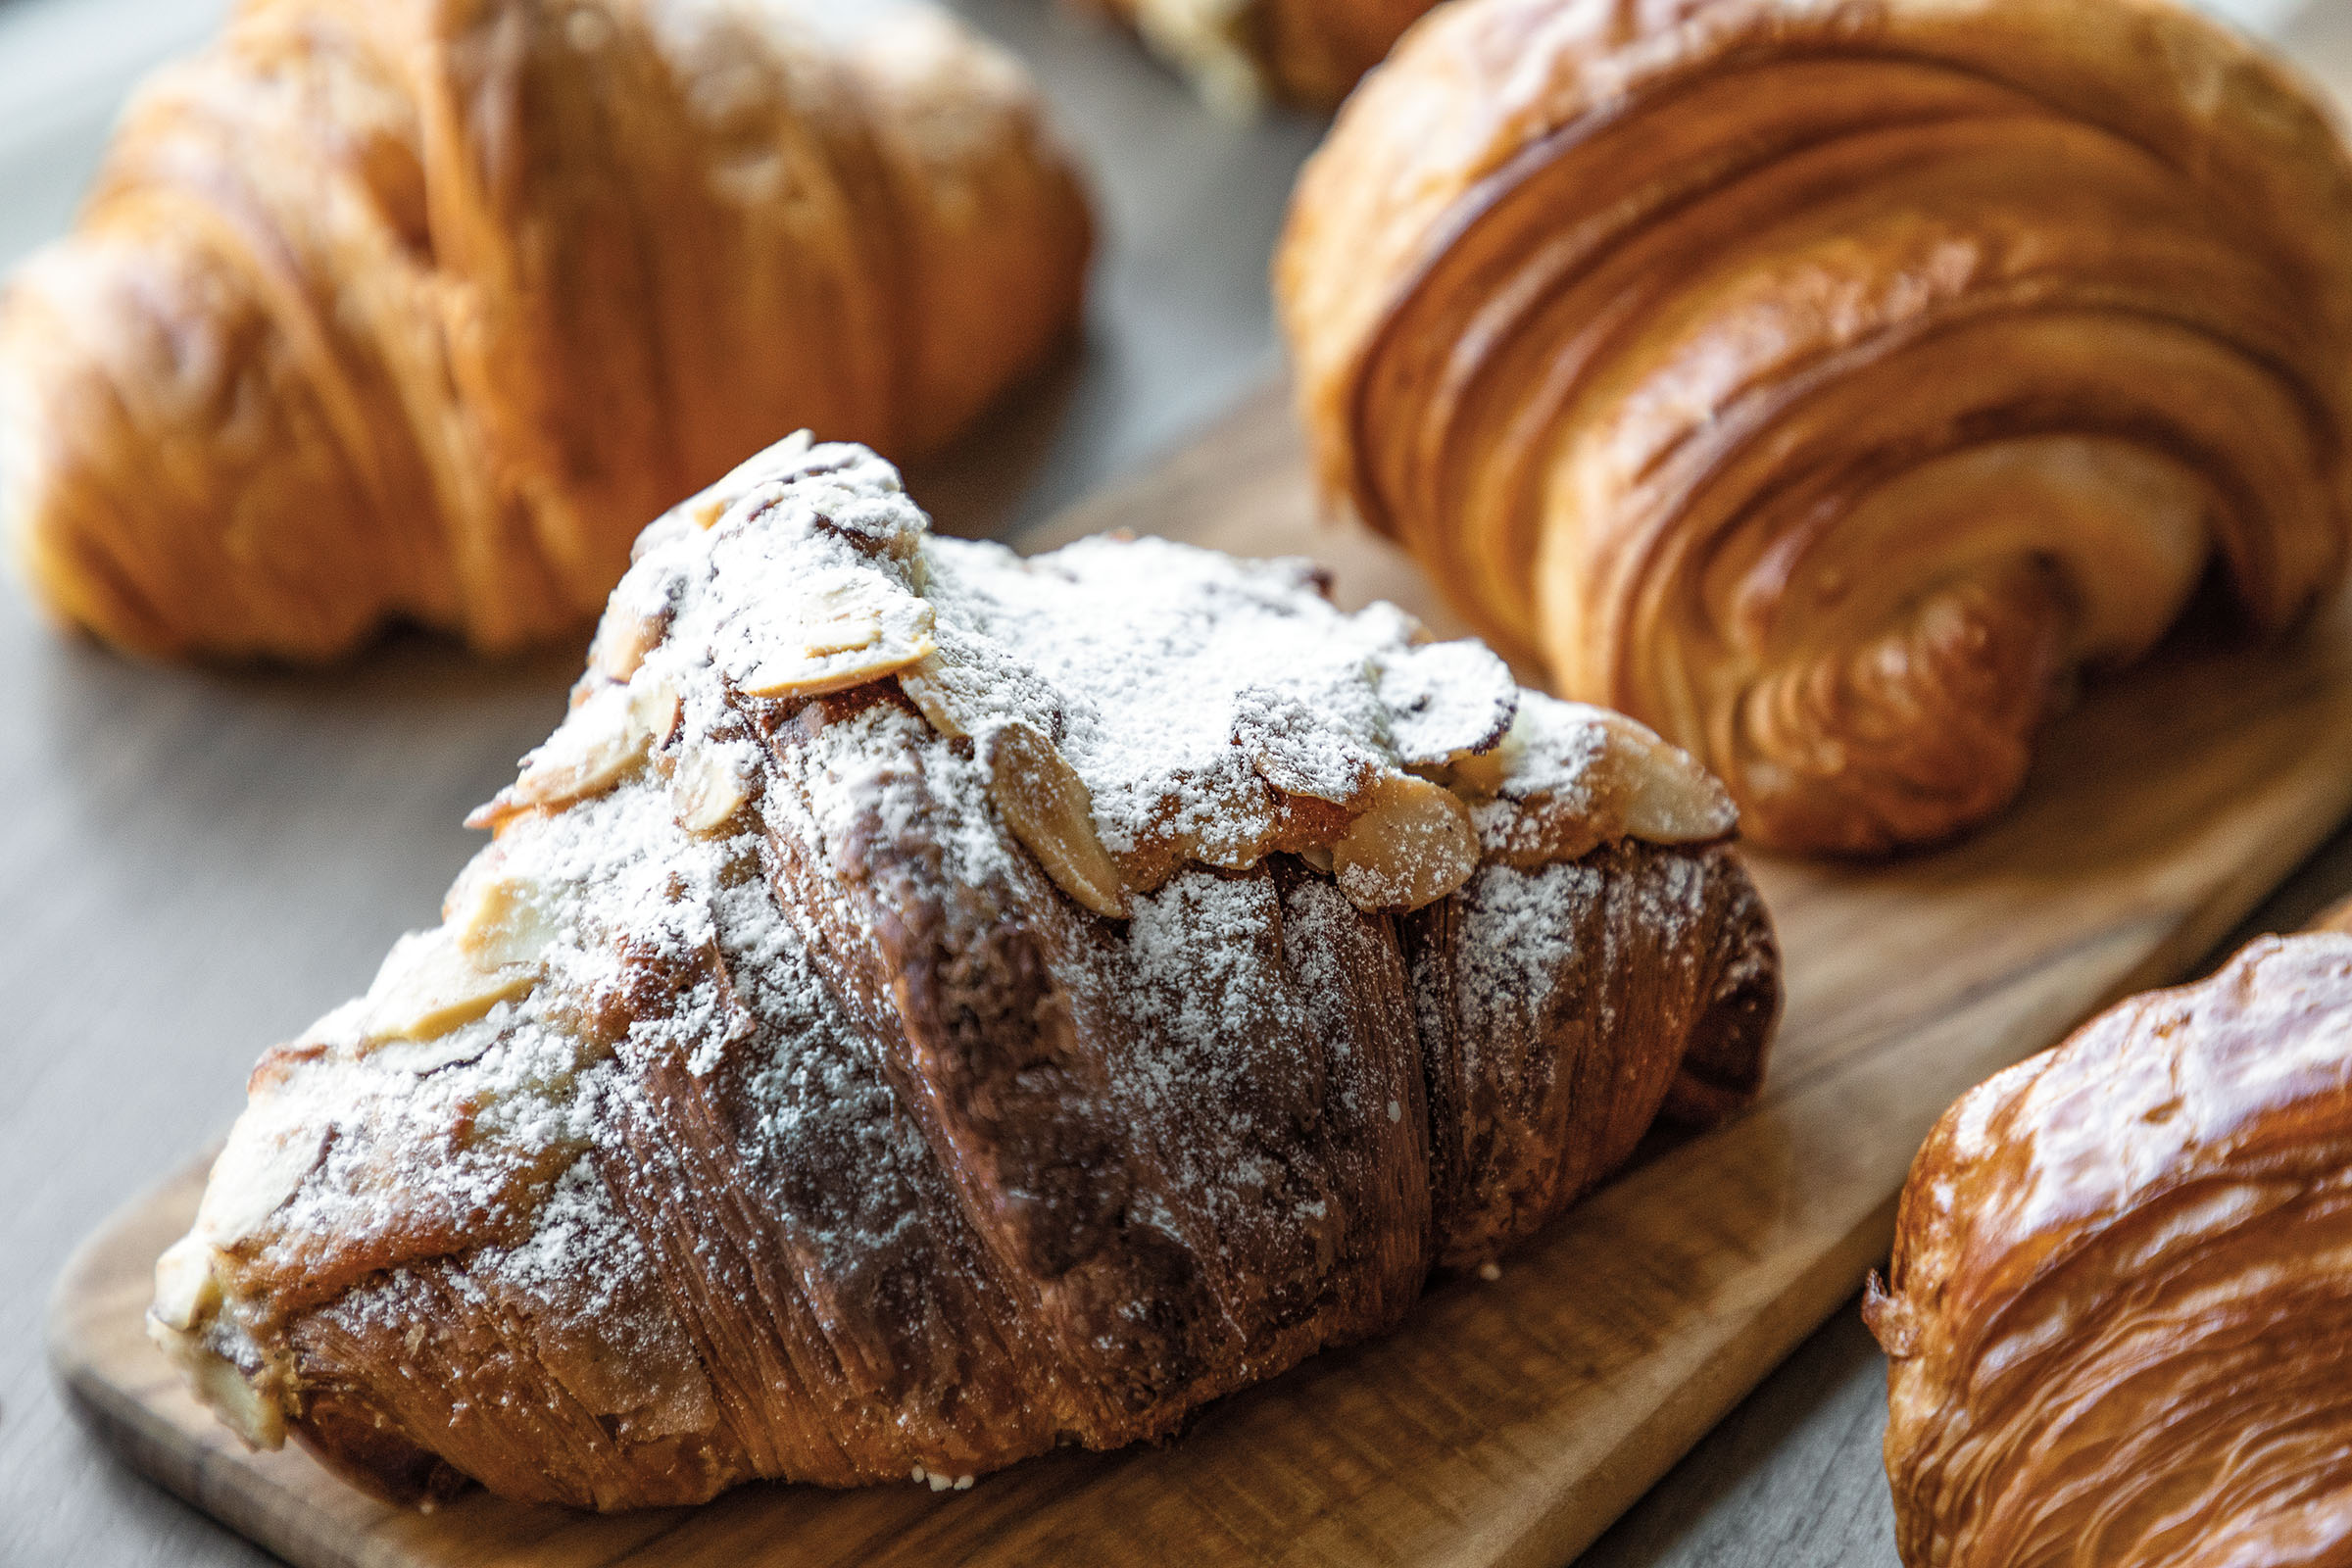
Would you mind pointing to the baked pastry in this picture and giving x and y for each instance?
(1239, 53)
(1825, 384)
(415, 312)
(922, 1006)
(2119, 1310)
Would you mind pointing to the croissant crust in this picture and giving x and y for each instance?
(2120, 1309)
(1825, 384)
(414, 310)
(922, 1006)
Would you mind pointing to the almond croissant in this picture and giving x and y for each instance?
(923, 1006)
(1823, 385)
(2119, 1310)
(415, 309)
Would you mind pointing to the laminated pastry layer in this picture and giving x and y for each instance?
(2120, 1309)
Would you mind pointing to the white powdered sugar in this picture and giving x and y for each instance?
(1174, 678)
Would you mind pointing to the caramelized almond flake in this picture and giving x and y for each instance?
(1413, 846)
(852, 626)
(503, 920)
(1047, 807)
(706, 791)
(429, 986)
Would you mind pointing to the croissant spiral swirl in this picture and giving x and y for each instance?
(922, 1006)
(418, 310)
(1824, 383)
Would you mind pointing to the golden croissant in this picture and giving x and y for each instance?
(2120, 1309)
(1826, 384)
(923, 1006)
(1242, 52)
(414, 310)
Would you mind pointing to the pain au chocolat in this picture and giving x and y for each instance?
(2120, 1309)
(1825, 384)
(923, 1006)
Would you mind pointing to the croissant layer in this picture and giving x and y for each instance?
(1825, 385)
(416, 310)
(922, 1006)
(2120, 1309)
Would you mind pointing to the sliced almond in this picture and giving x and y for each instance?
(654, 708)
(269, 1154)
(850, 626)
(1299, 751)
(187, 1293)
(1413, 846)
(595, 746)
(503, 921)
(1668, 797)
(1049, 809)
(428, 986)
(623, 638)
(946, 692)
(1446, 700)
(707, 790)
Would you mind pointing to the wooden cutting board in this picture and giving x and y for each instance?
(1508, 1422)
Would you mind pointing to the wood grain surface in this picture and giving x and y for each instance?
(1508, 1422)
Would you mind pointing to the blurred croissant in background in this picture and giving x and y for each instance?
(1241, 52)
(1826, 384)
(415, 309)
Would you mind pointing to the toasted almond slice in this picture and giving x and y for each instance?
(503, 921)
(1300, 751)
(849, 626)
(945, 693)
(1446, 700)
(269, 1154)
(623, 638)
(1049, 809)
(428, 986)
(222, 1386)
(1669, 797)
(707, 790)
(1414, 846)
(187, 1293)
(598, 743)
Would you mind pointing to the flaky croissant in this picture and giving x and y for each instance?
(923, 1006)
(415, 309)
(2120, 1309)
(1823, 383)
(1242, 52)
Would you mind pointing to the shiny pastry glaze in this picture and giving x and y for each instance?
(2120, 1309)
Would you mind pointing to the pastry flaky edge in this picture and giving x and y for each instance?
(2119, 1314)
(922, 1006)
(413, 311)
(1827, 383)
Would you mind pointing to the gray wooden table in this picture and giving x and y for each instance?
(193, 865)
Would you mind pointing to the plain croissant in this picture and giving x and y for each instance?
(1823, 385)
(2119, 1310)
(414, 310)
(922, 1006)
(1242, 52)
